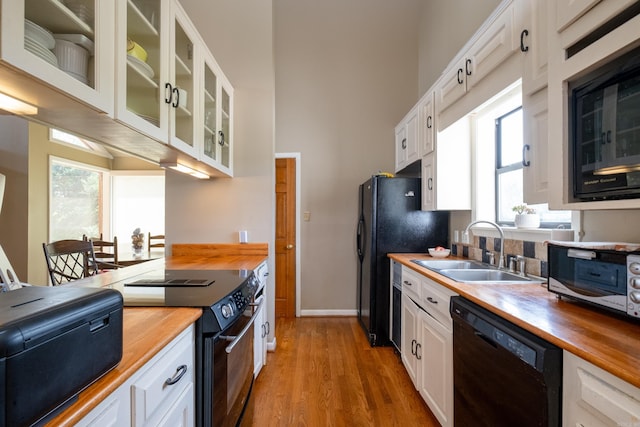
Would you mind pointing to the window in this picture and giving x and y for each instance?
(75, 203)
(498, 141)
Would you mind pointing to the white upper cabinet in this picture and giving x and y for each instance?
(407, 146)
(156, 95)
(179, 95)
(426, 123)
(494, 44)
(531, 19)
(216, 105)
(64, 45)
(535, 125)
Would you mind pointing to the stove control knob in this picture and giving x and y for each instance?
(227, 310)
(634, 267)
(635, 296)
(635, 282)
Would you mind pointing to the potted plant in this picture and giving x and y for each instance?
(526, 217)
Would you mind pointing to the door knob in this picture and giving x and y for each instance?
(289, 246)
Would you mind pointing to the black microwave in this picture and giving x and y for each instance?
(604, 131)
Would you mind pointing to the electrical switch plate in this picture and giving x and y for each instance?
(307, 216)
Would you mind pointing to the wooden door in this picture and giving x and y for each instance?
(285, 237)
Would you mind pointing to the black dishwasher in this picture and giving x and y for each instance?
(502, 374)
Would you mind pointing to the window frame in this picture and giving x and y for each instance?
(104, 194)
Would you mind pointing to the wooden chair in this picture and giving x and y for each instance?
(69, 260)
(105, 251)
(156, 241)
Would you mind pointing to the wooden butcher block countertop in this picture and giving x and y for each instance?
(603, 338)
(147, 330)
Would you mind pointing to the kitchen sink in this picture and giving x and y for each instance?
(474, 272)
(491, 275)
(448, 265)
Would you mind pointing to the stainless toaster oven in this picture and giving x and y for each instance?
(604, 275)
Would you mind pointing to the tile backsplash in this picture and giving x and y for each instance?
(535, 253)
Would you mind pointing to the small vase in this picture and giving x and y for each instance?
(527, 221)
(137, 251)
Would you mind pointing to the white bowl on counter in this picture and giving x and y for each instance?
(441, 253)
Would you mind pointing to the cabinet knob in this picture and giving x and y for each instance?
(289, 246)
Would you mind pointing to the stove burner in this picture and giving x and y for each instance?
(173, 282)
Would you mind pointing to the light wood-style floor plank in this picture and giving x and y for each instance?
(324, 373)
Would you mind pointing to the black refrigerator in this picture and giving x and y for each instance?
(389, 220)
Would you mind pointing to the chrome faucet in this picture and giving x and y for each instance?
(497, 227)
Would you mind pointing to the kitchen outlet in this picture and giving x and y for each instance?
(243, 236)
(307, 216)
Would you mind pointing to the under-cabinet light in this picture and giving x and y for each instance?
(185, 169)
(15, 106)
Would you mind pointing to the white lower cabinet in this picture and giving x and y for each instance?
(595, 398)
(161, 393)
(427, 347)
(261, 327)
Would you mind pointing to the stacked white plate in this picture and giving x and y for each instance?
(39, 41)
(141, 66)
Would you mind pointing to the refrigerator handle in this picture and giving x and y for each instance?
(359, 239)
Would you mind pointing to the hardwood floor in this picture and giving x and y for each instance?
(324, 373)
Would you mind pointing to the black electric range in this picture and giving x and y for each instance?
(222, 294)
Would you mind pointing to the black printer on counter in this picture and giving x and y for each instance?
(54, 342)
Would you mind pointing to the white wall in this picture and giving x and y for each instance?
(14, 159)
(346, 74)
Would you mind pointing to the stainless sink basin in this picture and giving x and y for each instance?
(450, 264)
(486, 276)
(474, 272)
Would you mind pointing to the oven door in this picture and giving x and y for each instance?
(228, 373)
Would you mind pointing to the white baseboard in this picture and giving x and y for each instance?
(271, 345)
(328, 313)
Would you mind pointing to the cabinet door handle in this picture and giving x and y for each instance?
(418, 355)
(460, 71)
(432, 301)
(221, 138)
(467, 67)
(404, 143)
(177, 101)
(168, 93)
(268, 327)
(182, 369)
(429, 122)
(523, 34)
(408, 283)
(430, 184)
(413, 350)
(525, 162)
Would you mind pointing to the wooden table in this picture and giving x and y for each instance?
(129, 258)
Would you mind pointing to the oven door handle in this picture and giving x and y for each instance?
(236, 339)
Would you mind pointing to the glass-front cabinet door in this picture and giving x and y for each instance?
(68, 44)
(217, 112)
(224, 135)
(183, 93)
(142, 47)
(155, 77)
(210, 114)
